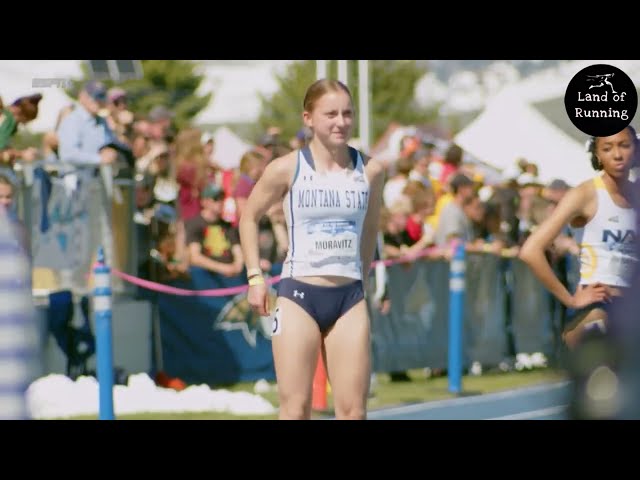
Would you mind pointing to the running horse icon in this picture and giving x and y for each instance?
(604, 79)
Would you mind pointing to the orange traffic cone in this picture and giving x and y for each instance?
(319, 396)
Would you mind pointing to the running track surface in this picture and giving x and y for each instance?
(544, 402)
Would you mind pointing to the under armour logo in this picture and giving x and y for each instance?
(296, 293)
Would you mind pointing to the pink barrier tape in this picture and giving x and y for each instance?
(222, 292)
(406, 258)
(159, 287)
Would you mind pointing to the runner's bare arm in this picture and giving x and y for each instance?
(532, 252)
(270, 188)
(375, 173)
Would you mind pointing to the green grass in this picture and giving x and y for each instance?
(387, 393)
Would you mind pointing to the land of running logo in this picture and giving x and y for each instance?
(601, 100)
(603, 81)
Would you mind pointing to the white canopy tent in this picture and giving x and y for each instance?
(229, 148)
(509, 129)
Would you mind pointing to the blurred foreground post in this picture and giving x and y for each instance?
(102, 312)
(18, 329)
(456, 317)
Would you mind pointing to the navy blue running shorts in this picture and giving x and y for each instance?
(324, 304)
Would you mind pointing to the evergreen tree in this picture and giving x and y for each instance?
(392, 84)
(172, 83)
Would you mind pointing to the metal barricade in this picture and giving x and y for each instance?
(414, 334)
(80, 215)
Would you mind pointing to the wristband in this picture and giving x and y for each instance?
(258, 280)
(252, 272)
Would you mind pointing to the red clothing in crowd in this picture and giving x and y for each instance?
(414, 229)
(189, 194)
(447, 170)
(244, 186)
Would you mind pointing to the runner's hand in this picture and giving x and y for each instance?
(258, 299)
(588, 294)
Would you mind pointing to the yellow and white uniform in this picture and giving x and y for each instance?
(607, 242)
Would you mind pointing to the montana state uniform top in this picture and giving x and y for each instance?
(325, 214)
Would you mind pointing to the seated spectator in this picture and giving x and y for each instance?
(168, 266)
(213, 244)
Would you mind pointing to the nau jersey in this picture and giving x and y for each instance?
(325, 214)
(607, 242)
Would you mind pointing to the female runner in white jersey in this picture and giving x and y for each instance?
(600, 210)
(331, 195)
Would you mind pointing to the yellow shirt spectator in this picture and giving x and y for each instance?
(443, 200)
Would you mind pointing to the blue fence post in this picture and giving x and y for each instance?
(102, 312)
(456, 317)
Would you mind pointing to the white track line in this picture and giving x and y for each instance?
(532, 413)
(487, 397)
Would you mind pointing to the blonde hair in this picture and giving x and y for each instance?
(189, 149)
(401, 205)
(248, 160)
(420, 196)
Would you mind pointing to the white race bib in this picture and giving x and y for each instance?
(333, 239)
